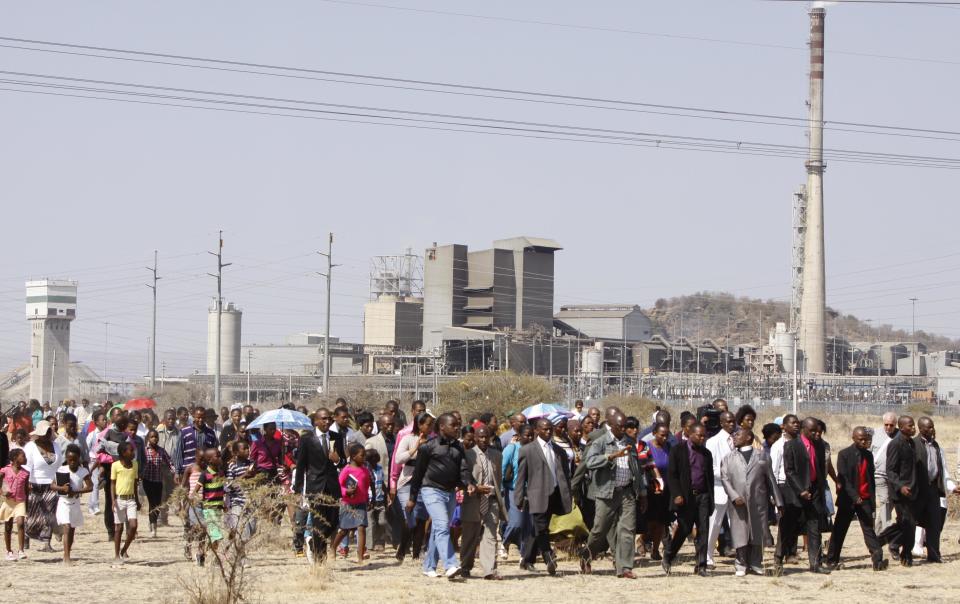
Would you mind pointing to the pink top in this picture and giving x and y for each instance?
(812, 454)
(15, 482)
(362, 476)
(396, 468)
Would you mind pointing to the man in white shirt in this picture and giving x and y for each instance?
(720, 445)
(881, 438)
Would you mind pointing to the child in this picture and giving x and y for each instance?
(20, 439)
(240, 468)
(354, 495)
(211, 486)
(377, 519)
(126, 503)
(73, 480)
(193, 530)
(15, 488)
(156, 463)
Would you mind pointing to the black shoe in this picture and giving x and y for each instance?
(585, 566)
(527, 566)
(881, 565)
(934, 561)
(906, 561)
(464, 573)
(665, 566)
(820, 570)
(894, 553)
(703, 572)
(551, 562)
(655, 555)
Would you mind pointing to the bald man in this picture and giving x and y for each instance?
(856, 496)
(881, 440)
(903, 481)
(935, 485)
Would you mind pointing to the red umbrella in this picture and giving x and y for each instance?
(137, 404)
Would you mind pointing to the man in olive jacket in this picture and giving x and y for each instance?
(618, 486)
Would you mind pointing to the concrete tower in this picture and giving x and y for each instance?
(51, 307)
(812, 323)
(230, 319)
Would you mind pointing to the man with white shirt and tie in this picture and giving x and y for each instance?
(791, 427)
(542, 489)
(317, 478)
(720, 445)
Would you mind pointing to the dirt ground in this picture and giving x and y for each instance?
(158, 570)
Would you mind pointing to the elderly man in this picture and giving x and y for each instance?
(883, 518)
(747, 479)
(481, 513)
(619, 488)
(856, 497)
(543, 490)
(720, 445)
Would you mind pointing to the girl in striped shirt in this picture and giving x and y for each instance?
(211, 485)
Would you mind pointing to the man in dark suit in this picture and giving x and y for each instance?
(934, 485)
(856, 497)
(542, 489)
(690, 483)
(318, 466)
(903, 480)
(804, 463)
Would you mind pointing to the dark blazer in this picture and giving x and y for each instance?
(848, 473)
(678, 476)
(532, 482)
(796, 466)
(902, 469)
(316, 474)
(923, 475)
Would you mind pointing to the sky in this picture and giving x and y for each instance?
(92, 187)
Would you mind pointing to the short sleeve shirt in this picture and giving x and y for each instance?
(126, 478)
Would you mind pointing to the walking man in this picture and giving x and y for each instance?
(481, 514)
(881, 440)
(619, 487)
(542, 489)
(690, 483)
(856, 497)
(903, 480)
(720, 445)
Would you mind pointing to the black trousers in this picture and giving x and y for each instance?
(695, 513)
(107, 505)
(846, 510)
(932, 522)
(800, 520)
(539, 541)
(901, 535)
(154, 492)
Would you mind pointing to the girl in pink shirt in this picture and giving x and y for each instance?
(354, 494)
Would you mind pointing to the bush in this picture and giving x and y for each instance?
(503, 393)
(919, 408)
(640, 407)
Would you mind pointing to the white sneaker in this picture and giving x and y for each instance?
(917, 552)
(452, 572)
(431, 574)
(740, 573)
(502, 552)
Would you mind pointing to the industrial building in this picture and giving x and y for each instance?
(302, 354)
(51, 308)
(506, 288)
(607, 321)
(393, 321)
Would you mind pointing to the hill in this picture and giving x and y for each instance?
(724, 317)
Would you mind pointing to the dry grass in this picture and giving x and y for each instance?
(158, 570)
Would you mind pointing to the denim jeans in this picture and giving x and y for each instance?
(440, 505)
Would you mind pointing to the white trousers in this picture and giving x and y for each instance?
(716, 521)
(93, 501)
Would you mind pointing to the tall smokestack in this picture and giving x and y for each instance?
(813, 301)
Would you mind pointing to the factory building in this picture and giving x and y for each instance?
(230, 320)
(506, 288)
(51, 308)
(395, 322)
(302, 354)
(608, 321)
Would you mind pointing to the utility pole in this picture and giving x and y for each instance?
(326, 334)
(249, 371)
(163, 374)
(219, 278)
(153, 340)
(913, 336)
(106, 346)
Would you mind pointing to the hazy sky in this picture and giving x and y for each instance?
(90, 187)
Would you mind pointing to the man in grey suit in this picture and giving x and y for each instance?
(481, 512)
(542, 489)
(618, 485)
(748, 480)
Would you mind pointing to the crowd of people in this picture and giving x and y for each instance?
(456, 494)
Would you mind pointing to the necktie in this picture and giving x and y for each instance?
(324, 444)
(484, 499)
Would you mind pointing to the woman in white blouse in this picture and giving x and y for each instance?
(44, 458)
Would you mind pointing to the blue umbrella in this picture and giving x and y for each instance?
(285, 419)
(543, 410)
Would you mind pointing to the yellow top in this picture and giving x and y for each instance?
(126, 478)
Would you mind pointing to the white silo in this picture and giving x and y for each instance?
(782, 342)
(230, 320)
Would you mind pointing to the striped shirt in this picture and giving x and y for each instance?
(189, 439)
(235, 472)
(213, 489)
